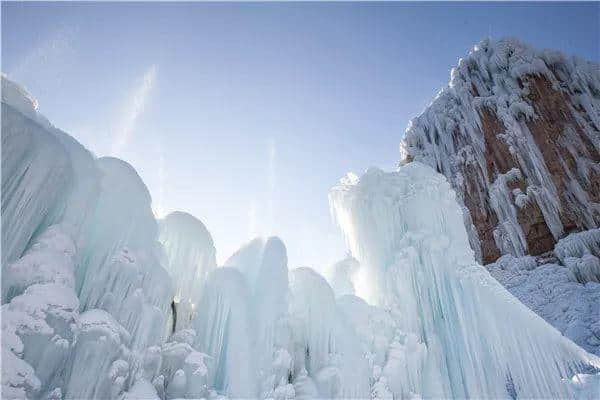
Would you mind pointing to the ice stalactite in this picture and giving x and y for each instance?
(451, 314)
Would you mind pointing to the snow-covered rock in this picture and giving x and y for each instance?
(517, 134)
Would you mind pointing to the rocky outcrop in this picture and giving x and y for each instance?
(517, 133)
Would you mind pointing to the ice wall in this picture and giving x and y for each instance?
(452, 339)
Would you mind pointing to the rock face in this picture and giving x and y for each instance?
(517, 133)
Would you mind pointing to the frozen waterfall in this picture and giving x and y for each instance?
(460, 333)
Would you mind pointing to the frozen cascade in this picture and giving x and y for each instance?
(191, 257)
(406, 227)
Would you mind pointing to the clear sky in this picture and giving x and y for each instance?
(245, 114)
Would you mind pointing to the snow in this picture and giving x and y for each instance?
(187, 371)
(18, 380)
(557, 293)
(586, 269)
(578, 244)
(141, 390)
(96, 367)
(49, 260)
(585, 386)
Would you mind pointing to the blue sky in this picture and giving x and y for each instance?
(245, 114)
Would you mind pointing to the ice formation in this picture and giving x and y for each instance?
(452, 339)
(517, 133)
(101, 301)
(84, 291)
